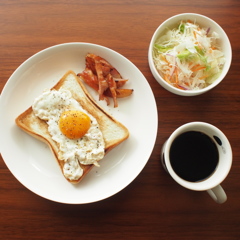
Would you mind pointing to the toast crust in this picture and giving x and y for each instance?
(113, 131)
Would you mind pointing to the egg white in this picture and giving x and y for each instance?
(86, 150)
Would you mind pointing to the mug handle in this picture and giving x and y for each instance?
(218, 194)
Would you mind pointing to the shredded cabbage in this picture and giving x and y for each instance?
(188, 57)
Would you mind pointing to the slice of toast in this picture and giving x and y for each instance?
(113, 131)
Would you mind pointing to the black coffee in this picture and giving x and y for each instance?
(193, 156)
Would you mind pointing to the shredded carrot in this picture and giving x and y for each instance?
(194, 34)
(165, 60)
(199, 68)
(176, 75)
(195, 66)
(203, 77)
(166, 77)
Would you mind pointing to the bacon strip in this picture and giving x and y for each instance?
(100, 75)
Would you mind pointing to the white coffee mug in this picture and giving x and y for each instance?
(211, 184)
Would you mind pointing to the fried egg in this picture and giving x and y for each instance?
(76, 132)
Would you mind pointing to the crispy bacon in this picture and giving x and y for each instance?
(100, 75)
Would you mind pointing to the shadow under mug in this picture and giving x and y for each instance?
(212, 183)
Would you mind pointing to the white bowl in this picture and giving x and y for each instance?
(204, 22)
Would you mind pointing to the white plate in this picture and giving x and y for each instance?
(31, 161)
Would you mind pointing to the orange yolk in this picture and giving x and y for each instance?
(74, 124)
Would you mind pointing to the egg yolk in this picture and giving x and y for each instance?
(74, 124)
